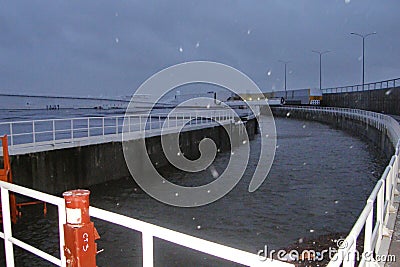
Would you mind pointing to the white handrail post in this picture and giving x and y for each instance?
(54, 131)
(33, 132)
(11, 134)
(72, 129)
(147, 243)
(349, 257)
(88, 127)
(368, 231)
(129, 123)
(62, 219)
(388, 188)
(116, 125)
(8, 245)
(150, 121)
(103, 126)
(380, 203)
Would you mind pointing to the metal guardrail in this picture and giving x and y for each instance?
(149, 231)
(52, 131)
(374, 222)
(366, 87)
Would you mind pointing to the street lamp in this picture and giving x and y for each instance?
(285, 62)
(320, 65)
(363, 36)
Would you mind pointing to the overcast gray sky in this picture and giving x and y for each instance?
(110, 47)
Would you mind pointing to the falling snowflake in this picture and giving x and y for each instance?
(214, 173)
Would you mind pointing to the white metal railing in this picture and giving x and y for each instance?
(366, 87)
(149, 231)
(52, 131)
(374, 217)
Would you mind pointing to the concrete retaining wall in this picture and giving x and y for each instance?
(340, 121)
(381, 100)
(79, 167)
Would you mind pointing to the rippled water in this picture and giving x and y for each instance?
(318, 184)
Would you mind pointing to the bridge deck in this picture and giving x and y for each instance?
(101, 139)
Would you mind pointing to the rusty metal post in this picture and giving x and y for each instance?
(80, 234)
(6, 176)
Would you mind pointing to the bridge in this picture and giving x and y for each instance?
(374, 225)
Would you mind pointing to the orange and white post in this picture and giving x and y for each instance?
(80, 234)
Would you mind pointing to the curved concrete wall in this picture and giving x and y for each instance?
(59, 170)
(366, 129)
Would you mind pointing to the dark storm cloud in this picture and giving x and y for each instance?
(111, 47)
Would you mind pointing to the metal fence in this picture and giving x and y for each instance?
(375, 215)
(52, 131)
(366, 87)
(149, 231)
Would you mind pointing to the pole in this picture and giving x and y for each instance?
(363, 36)
(285, 63)
(285, 83)
(320, 53)
(363, 62)
(79, 232)
(320, 71)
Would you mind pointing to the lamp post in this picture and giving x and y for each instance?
(320, 65)
(285, 62)
(363, 36)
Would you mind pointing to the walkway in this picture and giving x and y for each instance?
(395, 242)
(50, 134)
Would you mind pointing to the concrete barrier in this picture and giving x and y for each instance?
(60, 170)
(380, 100)
(363, 129)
